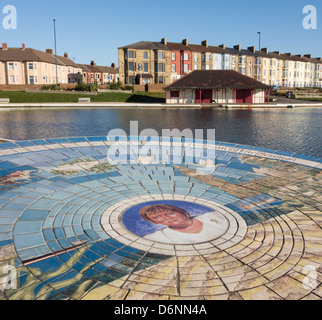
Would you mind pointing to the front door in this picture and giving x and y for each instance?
(244, 96)
(204, 96)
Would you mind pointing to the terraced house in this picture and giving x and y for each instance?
(165, 62)
(93, 73)
(30, 66)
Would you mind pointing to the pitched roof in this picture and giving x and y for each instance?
(216, 79)
(33, 55)
(146, 45)
(176, 46)
(110, 70)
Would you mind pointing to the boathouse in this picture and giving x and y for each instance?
(216, 86)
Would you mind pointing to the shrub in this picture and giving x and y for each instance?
(129, 88)
(55, 87)
(116, 86)
(89, 87)
(45, 87)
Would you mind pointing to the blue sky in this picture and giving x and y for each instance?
(93, 30)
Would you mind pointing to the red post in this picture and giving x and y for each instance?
(268, 95)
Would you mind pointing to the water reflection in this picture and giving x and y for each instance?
(293, 130)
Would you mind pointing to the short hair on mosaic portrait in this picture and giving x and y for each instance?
(146, 212)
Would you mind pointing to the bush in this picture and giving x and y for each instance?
(116, 86)
(55, 87)
(45, 87)
(50, 87)
(129, 88)
(88, 87)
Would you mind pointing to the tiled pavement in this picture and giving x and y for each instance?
(69, 227)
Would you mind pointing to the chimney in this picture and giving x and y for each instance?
(308, 56)
(4, 46)
(23, 46)
(93, 64)
(113, 65)
(252, 49)
(277, 52)
(164, 41)
(223, 46)
(185, 42)
(50, 51)
(237, 47)
(205, 43)
(299, 55)
(289, 54)
(66, 55)
(265, 50)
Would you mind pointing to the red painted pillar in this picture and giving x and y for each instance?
(268, 95)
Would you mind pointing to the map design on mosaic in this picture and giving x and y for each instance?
(71, 228)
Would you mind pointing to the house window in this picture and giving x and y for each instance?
(160, 80)
(174, 94)
(173, 56)
(146, 67)
(186, 56)
(31, 80)
(11, 79)
(131, 54)
(207, 67)
(35, 66)
(131, 66)
(186, 68)
(131, 79)
(11, 66)
(145, 55)
(173, 69)
(30, 66)
(161, 55)
(161, 67)
(196, 67)
(196, 57)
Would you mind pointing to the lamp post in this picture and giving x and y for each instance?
(55, 51)
(259, 58)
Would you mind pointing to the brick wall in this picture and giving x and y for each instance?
(149, 87)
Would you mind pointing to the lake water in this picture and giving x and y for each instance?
(293, 130)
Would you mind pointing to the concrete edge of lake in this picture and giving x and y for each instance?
(27, 106)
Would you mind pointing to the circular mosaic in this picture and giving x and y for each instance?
(236, 222)
(219, 225)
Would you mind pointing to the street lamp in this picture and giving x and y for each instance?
(55, 51)
(259, 57)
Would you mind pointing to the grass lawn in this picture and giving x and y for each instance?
(310, 99)
(31, 97)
